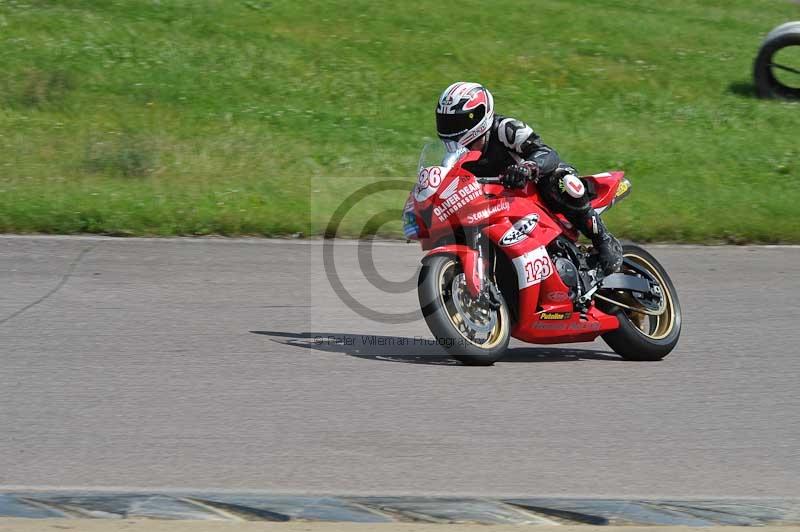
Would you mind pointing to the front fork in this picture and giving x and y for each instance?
(486, 291)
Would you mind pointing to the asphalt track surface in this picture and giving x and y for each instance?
(156, 364)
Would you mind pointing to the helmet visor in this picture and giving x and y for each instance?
(456, 124)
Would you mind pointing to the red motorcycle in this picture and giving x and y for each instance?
(500, 264)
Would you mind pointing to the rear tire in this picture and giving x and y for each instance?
(630, 341)
(438, 308)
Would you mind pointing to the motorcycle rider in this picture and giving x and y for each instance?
(510, 149)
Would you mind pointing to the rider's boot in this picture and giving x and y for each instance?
(609, 250)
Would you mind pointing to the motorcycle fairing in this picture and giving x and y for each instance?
(537, 277)
(554, 328)
(609, 188)
(496, 210)
(469, 262)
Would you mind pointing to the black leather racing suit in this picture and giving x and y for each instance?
(512, 141)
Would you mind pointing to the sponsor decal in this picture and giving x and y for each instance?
(584, 326)
(522, 228)
(533, 267)
(623, 187)
(549, 326)
(487, 212)
(449, 190)
(581, 326)
(555, 315)
(557, 297)
(410, 226)
(453, 203)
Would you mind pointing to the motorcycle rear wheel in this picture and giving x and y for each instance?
(443, 302)
(641, 337)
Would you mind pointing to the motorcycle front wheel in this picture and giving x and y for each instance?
(472, 333)
(645, 336)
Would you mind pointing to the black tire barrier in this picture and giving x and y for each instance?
(307, 509)
(765, 69)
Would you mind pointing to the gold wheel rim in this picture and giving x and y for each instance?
(497, 333)
(664, 322)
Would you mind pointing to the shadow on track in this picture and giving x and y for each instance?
(418, 350)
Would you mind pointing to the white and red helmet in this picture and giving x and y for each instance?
(465, 112)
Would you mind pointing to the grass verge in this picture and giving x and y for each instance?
(180, 117)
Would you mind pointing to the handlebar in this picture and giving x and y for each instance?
(490, 180)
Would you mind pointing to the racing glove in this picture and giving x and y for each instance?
(517, 175)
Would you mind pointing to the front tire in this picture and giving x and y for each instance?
(476, 338)
(641, 337)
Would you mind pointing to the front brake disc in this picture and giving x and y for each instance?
(476, 317)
